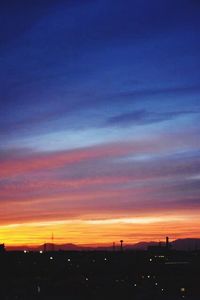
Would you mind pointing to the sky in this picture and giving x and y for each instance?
(99, 121)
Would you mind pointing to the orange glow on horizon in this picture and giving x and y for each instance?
(101, 231)
(85, 198)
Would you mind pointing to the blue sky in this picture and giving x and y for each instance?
(86, 75)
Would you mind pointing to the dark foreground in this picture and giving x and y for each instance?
(100, 275)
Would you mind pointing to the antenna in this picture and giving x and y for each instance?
(52, 241)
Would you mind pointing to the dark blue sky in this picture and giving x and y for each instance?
(84, 75)
(97, 59)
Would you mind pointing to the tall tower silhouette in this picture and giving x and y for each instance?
(167, 242)
(121, 247)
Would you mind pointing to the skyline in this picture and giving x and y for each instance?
(99, 121)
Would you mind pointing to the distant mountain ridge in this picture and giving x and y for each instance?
(179, 244)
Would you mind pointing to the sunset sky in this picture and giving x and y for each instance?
(99, 121)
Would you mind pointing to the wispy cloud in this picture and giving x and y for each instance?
(99, 118)
(107, 179)
(141, 117)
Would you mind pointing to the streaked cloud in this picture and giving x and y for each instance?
(99, 120)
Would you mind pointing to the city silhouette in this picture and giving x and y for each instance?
(159, 272)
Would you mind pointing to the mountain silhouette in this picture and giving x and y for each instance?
(187, 244)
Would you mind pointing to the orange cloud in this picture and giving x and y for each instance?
(106, 185)
(105, 231)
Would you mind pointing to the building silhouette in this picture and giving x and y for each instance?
(160, 248)
(2, 248)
